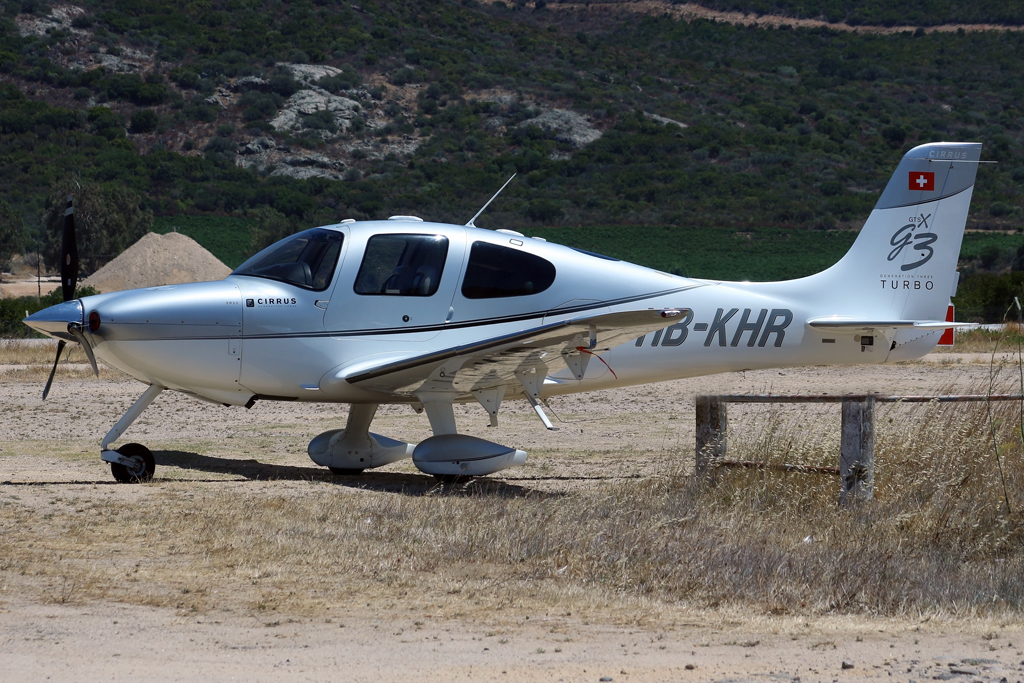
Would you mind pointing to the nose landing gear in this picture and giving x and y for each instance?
(131, 464)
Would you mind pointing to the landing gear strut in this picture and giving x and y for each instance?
(131, 463)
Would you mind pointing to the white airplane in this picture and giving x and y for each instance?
(431, 314)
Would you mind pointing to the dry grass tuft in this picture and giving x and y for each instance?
(937, 537)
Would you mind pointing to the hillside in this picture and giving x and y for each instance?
(323, 111)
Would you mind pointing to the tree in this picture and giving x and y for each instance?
(12, 232)
(144, 121)
(108, 219)
(267, 226)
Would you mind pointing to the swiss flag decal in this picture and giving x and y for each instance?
(947, 336)
(922, 180)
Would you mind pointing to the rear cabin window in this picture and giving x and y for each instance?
(402, 265)
(306, 259)
(495, 271)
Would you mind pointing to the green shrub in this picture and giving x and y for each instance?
(144, 121)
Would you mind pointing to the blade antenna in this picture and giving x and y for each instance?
(471, 224)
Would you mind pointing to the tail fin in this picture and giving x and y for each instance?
(903, 264)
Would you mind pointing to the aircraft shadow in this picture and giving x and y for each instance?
(390, 482)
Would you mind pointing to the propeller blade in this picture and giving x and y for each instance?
(77, 334)
(69, 254)
(60, 348)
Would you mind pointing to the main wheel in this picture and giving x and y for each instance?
(144, 469)
(346, 470)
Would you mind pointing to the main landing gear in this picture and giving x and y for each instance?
(131, 463)
(447, 455)
(354, 449)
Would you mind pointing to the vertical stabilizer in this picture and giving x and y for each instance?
(903, 264)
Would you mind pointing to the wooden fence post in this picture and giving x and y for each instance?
(712, 425)
(857, 452)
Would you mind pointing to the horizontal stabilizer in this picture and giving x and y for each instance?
(837, 323)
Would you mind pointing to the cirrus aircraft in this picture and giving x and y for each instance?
(405, 311)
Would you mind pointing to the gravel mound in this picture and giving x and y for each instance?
(156, 260)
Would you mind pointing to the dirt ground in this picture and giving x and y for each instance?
(28, 286)
(104, 641)
(49, 464)
(692, 12)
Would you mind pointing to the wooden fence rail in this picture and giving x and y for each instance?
(857, 445)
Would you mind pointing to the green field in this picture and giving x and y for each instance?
(761, 254)
(226, 237)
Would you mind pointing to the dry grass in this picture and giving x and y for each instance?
(32, 352)
(22, 360)
(984, 341)
(936, 540)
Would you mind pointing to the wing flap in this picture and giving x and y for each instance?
(495, 361)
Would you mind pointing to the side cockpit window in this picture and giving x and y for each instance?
(306, 259)
(402, 265)
(495, 271)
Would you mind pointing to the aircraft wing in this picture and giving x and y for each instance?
(496, 361)
(837, 323)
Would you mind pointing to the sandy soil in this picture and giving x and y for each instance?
(105, 641)
(28, 286)
(48, 458)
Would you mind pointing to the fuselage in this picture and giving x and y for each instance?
(289, 335)
(404, 311)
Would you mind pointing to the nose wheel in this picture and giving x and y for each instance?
(131, 464)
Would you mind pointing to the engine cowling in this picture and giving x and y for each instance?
(464, 456)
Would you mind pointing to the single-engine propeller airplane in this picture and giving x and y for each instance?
(431, 314)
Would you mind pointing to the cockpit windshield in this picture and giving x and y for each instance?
(307, 259)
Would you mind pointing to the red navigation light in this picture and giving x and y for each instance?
(94, 321)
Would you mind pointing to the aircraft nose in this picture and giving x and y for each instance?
(54, 321)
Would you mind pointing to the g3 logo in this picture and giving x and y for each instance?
(923, 240)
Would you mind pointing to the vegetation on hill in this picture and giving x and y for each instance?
(789, 128)
(680, 125)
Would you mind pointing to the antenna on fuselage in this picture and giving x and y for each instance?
(471, 224)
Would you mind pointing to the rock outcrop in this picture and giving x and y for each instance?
(569, 126)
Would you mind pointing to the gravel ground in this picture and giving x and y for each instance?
(49, 456)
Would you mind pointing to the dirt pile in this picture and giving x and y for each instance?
(156, 260)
